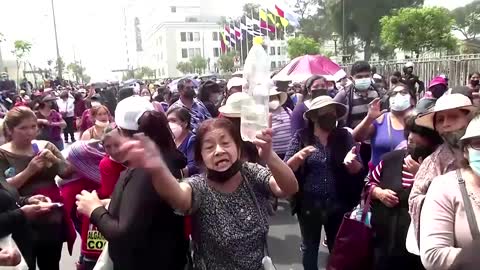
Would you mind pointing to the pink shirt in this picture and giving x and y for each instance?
(445, 230)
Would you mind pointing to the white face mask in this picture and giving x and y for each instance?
(400, 103)
(146, 98)
(101, 124)
(176, 129)
(274, 104)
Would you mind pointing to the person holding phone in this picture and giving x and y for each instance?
(329, 173)
(29, 167)
(385, 130)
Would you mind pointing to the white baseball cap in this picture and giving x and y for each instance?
(236, 81)
(129, 111)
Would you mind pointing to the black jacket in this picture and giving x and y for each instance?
(142, 230)
(13, 221)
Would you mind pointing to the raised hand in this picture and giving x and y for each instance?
(351, 161)
(375, 109)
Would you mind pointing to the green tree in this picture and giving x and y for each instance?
(185, 67)
(79, 72)
(362, 20)
(301, 46)
(21, 49)
(225, 62)
(419, 29)
(467, 20)
(143, 73)
(198, 63)
(314, 21)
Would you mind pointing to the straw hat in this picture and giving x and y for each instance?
(445, 103)
(281, 95)
(323, 101)
(473, 129)
(233, 106)
(236, 81)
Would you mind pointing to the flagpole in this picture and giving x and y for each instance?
(246, 32)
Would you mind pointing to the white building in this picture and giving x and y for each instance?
(174, 42)
(277, 52)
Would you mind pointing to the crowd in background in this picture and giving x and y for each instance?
(164, 176)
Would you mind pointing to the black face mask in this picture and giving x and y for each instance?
(419, 151)
(318, 92)
(222, 177)
(189, 92)
(394, 80)
(327, 122)
(474, 82)
(438, 90)
(409, 71)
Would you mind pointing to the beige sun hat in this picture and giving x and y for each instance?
(322, 102)
(281, 95)
(236, 81)
(445, 103)
(233, 106)
(473, 129)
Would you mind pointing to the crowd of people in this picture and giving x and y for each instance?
(163, 175)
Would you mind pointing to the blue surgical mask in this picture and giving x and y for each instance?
(474, 160)
(363, 84)
(400, 103)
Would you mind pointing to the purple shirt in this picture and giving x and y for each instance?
(382, 141)
(297, 120)
(187, 148)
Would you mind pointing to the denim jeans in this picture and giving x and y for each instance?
(311, 220)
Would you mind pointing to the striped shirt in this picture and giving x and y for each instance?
(374, 176)
(281, 124)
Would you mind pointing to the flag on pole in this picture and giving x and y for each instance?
(228, 39)
(285, 12)
(223, 43)
(250, 30)
(264, 21)
(232, 33)
(238, 33)
(273, 10)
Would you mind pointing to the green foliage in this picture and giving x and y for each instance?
(199, 63)
(467, 20)
(185, 67)
(301, 46)
(21, 48)
(79, 72)
(144, 73)
(225, 62)
(419, 29)
(362, 20)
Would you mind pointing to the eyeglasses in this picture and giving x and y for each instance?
(475, 144)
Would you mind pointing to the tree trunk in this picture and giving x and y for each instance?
(368, 50)
(18, 71)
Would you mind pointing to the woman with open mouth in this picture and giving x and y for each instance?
(228, 204)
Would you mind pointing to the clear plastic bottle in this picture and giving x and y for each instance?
(254, 114)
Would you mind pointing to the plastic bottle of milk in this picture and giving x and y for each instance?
(254, 114)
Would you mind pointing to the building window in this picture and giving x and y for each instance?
(173, 9)
(215, 36)
(216, 52)
(272, 50)
(196, 36)
(273, 64)
(191, 52)
(284, 50)
(183, 36)
(160, 40)
(197, 52)
(190, 36)
(278, 50)
(279, 64)
(161, 55)
(184, 53)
